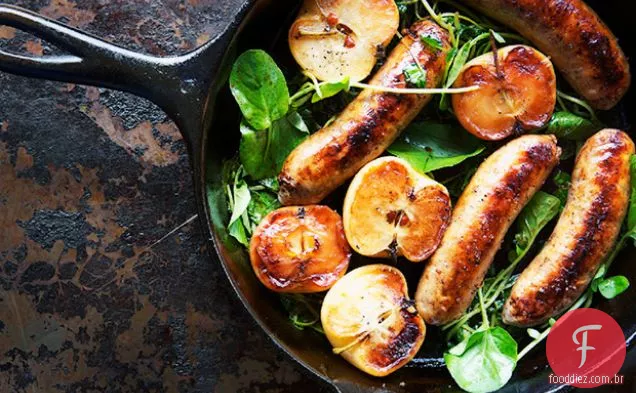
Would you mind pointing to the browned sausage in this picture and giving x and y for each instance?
(586, 231)
(367, 126)
(500, 188)
(579, 43)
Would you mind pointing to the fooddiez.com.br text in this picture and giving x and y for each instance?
(570, 379)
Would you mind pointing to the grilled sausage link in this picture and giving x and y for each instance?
(500, 188)
(579, 43)
(367, 126)
(584, 235)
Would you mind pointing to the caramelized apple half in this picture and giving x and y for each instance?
(392, 210)
(332, 39)
(517, 93)
(300, 249)
(369, 320)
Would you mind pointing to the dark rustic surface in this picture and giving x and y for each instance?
(105, 284)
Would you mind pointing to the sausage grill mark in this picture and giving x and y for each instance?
(586, 245)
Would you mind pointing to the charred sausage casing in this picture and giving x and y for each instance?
(576, 39)
(368, 125)
(584, 235)
(500, 188)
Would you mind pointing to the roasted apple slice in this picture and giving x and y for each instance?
(517, 93)
(300, 249)
(369, 320)
(332, 39)
(392, 210)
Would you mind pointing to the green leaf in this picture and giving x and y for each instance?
(264, 152)
(498, 37)
(238, 231)
(261, 204)
(236, 197)
(533, 333)
(484, 362)
(296, 120)
(631, 215)
(450, 56)
(432, 42)
(568, 149)
(271, 183)
(309, 119)
(562, 181)
(330, 89)
(260, 90)
(402, 7)
(253, 151)
(632, 235)
(600, 273)
(541, 209)
(594, 285)
(415, 76)
(241, 197)
(458, 62)
(429, 146)
(462, 57)
(613, 286)
(303, 310)
(566, 125)
(285, 138)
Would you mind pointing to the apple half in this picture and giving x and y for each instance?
(392, 210)
(517, 93)
(300, 249)
(332, 39)
(370, 321)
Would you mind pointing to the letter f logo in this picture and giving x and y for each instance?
(584, 347)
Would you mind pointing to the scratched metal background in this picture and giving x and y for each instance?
(104, 282)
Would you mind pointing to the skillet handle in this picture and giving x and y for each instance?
(179, 84)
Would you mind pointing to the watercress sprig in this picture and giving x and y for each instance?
(303, 310)
(485, 360)
(248, 201)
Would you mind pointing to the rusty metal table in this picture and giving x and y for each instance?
(105, 284)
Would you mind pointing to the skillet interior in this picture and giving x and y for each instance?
(266, 27)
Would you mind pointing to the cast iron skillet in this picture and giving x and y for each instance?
(192, 90)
